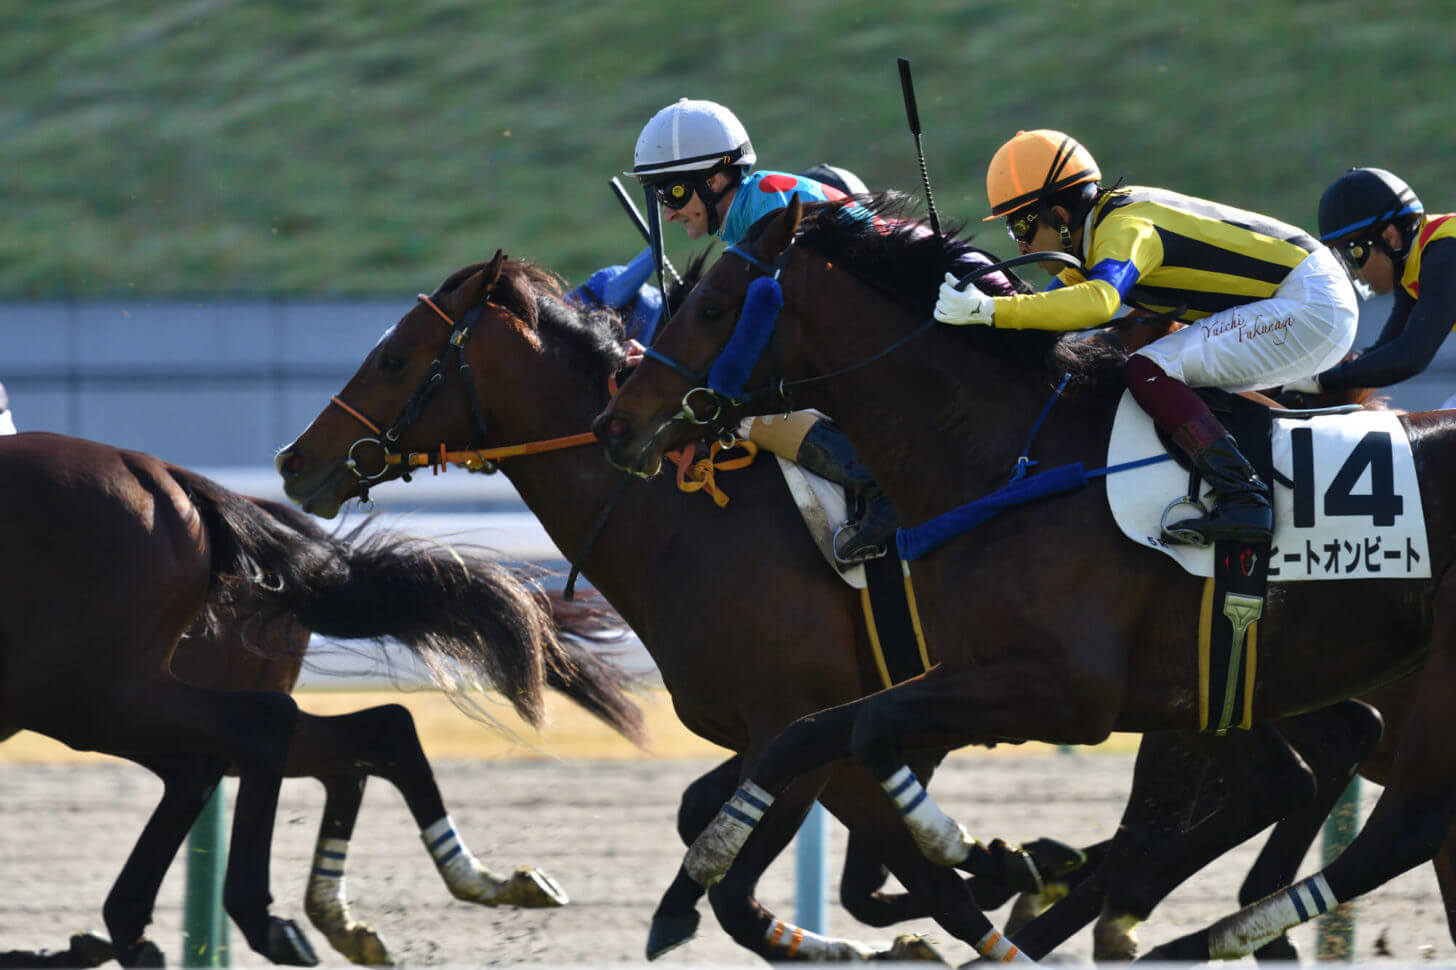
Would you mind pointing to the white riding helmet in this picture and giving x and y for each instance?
(691, 136)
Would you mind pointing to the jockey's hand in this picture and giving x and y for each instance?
(1305, 385)
(963, 306)
(634, 353)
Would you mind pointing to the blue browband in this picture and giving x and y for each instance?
(756, 322)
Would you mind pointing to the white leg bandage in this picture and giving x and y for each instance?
(462, 872)
(995, 947)
(324, 900)
(940, 837)
(799, 943)
(714, 851)
(1258, 923)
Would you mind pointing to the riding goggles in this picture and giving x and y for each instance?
(676, 193)
(1355, 253)
(1021, 226)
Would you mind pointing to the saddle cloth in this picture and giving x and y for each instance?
(1346, 505)
(823, 506)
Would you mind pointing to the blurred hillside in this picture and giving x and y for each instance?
(162, 147)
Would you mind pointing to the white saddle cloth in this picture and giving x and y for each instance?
(823, 505)
(1356, 497)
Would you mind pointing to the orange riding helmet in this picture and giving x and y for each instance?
(1035, 165)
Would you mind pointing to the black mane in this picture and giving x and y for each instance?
(907, 263)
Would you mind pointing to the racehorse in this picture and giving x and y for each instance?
(161, 548)
(1048, 624)
(746, 623)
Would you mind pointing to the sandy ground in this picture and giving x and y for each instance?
(604, 829)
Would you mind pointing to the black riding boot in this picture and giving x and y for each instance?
(1241, 512)
(825, 451)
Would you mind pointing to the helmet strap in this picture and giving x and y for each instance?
(711, 198)
(1065, 232)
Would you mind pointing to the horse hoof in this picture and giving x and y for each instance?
(533, 889)
(1029, 906)
(1114, 939)
(1281, 949)
(911, 948)
(287, 945)
(1054, 860)
(362, 946)
(142, 953)
(670, 932)
(91, 949)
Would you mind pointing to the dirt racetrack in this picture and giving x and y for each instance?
(604, 828)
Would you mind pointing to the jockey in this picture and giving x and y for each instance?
(695, 160)
(7, 420)
(1375, 223)
(1265, 304)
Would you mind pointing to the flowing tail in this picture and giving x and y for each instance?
(469, 620)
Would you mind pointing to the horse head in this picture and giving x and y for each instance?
(715, 338)
(456, 374)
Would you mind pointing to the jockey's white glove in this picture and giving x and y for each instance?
(963, 306)
(1305, 385)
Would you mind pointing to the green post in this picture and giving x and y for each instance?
(1336, 929)
(205, 925)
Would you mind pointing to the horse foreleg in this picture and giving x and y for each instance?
(1409, 824)
(1263, 779)
(188, 781)
(1333, 741)
(676, 919)
(810, 742)
(851, 796)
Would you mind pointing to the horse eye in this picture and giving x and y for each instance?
(391, 364)
(711, 312)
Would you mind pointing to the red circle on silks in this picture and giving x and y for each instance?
(778, 183)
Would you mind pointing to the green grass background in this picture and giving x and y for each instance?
(371, 147)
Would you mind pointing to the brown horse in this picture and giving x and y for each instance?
(1034, 642)
(746, 624)
(162, 545)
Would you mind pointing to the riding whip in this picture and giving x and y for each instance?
(912, 114)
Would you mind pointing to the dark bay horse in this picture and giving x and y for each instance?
(748, 627)
(1049, 625)
(163, 548)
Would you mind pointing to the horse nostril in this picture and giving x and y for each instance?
(287, 463)
(617, 427)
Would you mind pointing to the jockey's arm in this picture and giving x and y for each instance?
(1404, 351)
(1122, 252)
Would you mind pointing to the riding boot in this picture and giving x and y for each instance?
(1242, 511)
(825, 451)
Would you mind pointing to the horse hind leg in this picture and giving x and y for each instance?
(326, 902)
(1408, 826)
(383, 741)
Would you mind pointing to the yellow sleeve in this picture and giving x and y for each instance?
(1125, 248)
(1075, 307)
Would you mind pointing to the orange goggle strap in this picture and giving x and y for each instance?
(1052, 184)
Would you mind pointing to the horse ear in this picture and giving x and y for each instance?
(492, 270)
(482, 280)
(780, 231)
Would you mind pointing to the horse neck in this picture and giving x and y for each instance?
(568, 489)
(936, 423)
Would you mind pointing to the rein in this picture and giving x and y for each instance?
(744, 352)
(692, 476)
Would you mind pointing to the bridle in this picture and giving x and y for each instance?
(475, 458)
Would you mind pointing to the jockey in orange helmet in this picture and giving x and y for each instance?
(1264, 302)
